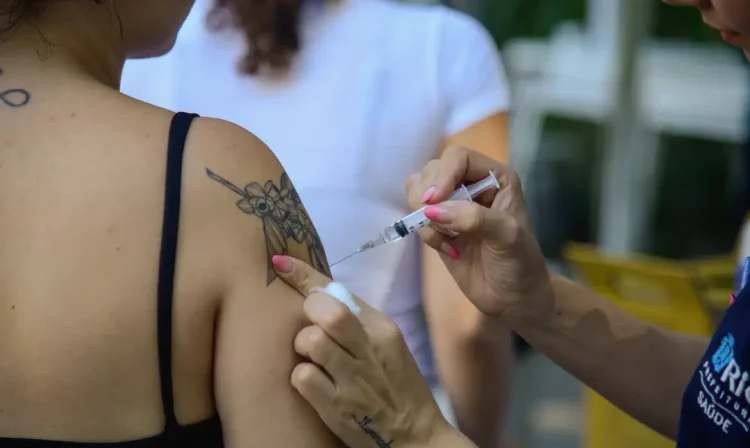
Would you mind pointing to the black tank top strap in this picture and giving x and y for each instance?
(207, 433)
(178, 132)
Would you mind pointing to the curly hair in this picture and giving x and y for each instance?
(271, 28)
(15, 11)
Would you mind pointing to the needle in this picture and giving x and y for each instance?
(363, 248)
(346, 258)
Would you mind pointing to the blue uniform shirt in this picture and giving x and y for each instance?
(716, 406)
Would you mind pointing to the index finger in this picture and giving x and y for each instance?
(299, 275)
(306, 280)
(461, 165)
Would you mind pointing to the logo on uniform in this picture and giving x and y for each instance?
(724, 354)
(724, 395)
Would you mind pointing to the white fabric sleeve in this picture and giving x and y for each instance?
(471, 79)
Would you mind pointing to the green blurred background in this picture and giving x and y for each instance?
(537, 18)
(699, 204)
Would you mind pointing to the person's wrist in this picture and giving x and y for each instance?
(443, 436)
(537, 304)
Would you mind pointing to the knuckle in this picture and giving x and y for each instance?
(345, 406)
(304, 374)
(316, 337)
(301, 279)
(316, 340)
(413, 181)
(510, 230)
(317, 344)
(389, 333)
(313, 303)
(430, 169)
(513, 229)
(450, 151)
(476, 218)
(431, 165)
(454, 151)
(514, 180)
(300, 341)
(336, 318)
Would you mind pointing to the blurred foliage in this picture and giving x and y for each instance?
(699, 209)
(506, 19)
(530, 18)
(697, 212)
(672, 22)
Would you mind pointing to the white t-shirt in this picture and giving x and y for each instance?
(376, 89)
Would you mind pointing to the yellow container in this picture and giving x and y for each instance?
(665, 293)
(714, 273)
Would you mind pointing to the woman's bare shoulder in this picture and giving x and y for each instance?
(245, 210)
(209, 140)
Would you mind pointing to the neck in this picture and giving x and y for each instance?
(83, 41)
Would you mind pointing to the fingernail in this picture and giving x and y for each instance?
(732, 298)
(450, 251)
(428, 195)
(282, 264)
(439, 214)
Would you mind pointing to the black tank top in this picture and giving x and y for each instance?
(204, 434)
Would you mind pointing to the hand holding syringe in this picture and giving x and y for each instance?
(417, 220)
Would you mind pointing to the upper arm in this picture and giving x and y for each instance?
(255, 213)
(488, 136)
(475, 88)
(471, 81)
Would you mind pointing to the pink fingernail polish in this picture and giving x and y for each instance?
(428, 195)
(282, 264)
(450, 251)
(438, 214)
(732, 298)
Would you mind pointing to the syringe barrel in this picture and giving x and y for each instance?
(462, 194)
(409, 224)
(417, 220)
(394, 232)
(483, 185)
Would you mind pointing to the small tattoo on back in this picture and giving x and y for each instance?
(14, 98)
(284, 218)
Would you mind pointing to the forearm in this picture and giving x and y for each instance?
(640, 368)
(476, 370)
(447, 438)
(473, 354)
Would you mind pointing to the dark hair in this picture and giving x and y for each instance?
(271, 28)
(15, 11)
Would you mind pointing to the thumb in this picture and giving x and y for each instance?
(299, 275)
(470, 218)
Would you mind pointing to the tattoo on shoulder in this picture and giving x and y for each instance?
(284, 219)
(13, 97)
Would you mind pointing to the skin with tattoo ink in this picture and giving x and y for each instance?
(13, 97)
(284, 218)
(364, 425)
(136, 287)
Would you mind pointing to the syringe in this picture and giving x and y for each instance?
(417, 220)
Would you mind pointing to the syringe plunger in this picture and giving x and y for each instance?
(483, 185)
